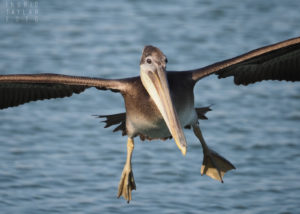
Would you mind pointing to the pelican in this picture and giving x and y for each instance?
(160, 103)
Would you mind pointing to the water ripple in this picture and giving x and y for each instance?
(57, 158)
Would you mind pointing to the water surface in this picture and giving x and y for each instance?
(57, 158)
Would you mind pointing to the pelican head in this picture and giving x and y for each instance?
(153, 76)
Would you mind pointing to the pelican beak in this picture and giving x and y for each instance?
(156, 84)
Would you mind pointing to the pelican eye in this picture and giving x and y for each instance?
(166, 60)
(149, 61)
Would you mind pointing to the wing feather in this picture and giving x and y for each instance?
(279, 61)
(19, 89)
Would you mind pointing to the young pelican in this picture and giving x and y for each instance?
(160, 103)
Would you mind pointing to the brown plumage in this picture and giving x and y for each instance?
(120, 120)
(280, 61)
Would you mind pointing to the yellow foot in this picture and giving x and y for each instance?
(214, 165)
(126, 184)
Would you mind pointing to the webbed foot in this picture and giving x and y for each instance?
(214, 165)
(126, 184)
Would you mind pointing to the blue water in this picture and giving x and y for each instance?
(56, 158)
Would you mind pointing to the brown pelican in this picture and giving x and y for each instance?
(160, 103)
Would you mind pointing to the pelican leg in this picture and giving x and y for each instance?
(127, 183)
(214, 165)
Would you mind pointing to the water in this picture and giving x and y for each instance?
(56, 158)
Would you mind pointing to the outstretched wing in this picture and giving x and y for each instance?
(19, 89)
(279, 61)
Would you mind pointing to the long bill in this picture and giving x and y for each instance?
(157, 86)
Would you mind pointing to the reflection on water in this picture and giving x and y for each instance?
(56, 157)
